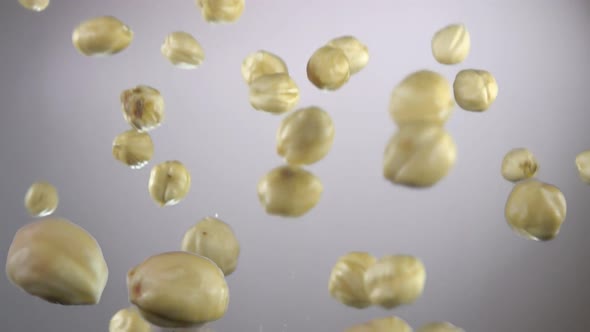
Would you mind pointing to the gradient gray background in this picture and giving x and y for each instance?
(61, 111)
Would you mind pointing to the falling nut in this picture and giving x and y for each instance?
(328, 68)
(386, 324)
(129, 320)
(535, 210)
(35, 5)
(583, 166)
(169, 183)
(102, 36)
(133, 148)
(356, 52)
(419, 156)
(451, 44)
(347, 283)
(422, 97)
(57, 261)
(183, 50)
(519, 164)
(305, 136)
(289, 191)
(395, 280)
(262, 63)
(274, 93)
(178, 289)
(475, 90)
(221, 11)
(41, 199)
(214, 239)
(143, 107)
(440, 327)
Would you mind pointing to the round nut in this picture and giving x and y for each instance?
(178, 289)
(289, 191)
(57, 261)
(535, 210)
(328, 68)
(451, 44)
(169, 183)
(475, 90)
(133, 148)
(128, 320)
(356, 52)
(395, 280)
(440, 327)
(305, 136)
(419, 156)
(183, 50)
(422, 97)
(214, 239)
(143, 107)
(386, 324)
(221, 11)
(102, 36)
(519, 164)
(583, 166)
(274, 93)
(41, 199)
(35, 5)
(347, 284)
(262, 63)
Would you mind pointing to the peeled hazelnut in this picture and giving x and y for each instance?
(133, 148)
(535, 210)
(178, 289)
(519, 164)
(395, 280)
(41, 199)
(35, 5)
(583, 166)
(102, 36)
(347, 284)
(214, 239)
(57, 261)
(451, 44)
(356, 52)
(143, 107)
(129, 320)
(387, 324)
(305, 136)
(169, 183)
(422, 97)
(221, 11)
(289, 191)
(183, 50)
(475, 90)
(274, 93)
(328, 68)
(440, 327)
(262, 63)
(419, 156)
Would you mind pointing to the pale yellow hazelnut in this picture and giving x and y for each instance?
(143, 107)
(178, 289)
(289, 191)
(183, 50)
(356, 52)
(262, 63)
(328, 68)
(386, 324)
(422, 97)
(41, 199)
(169, 183)
(35, 5)
(129, 320)
(440, 327)
(214, 239)
(535, 210)
(583, 166)
(451, 44)
(475, 90)
(57, 261)
(274, 93)
(395, 280)
(133, 148)
(519, 164)
(419, 156)
(102, 36)
(305, 136)
(347, 284)
(221, 11)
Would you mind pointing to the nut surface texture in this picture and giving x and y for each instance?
(143, 107)
(221, 11)
(102, 36)
(129, 320)
(133, 148)
(274, 93)
(35, 5)
(169, 183)
(41, 199)
(347, 284)
(475, 90)
(519, 164)
(328, 68)
(356, 52)
(262, 63)
(183, 50)
(451, 44)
